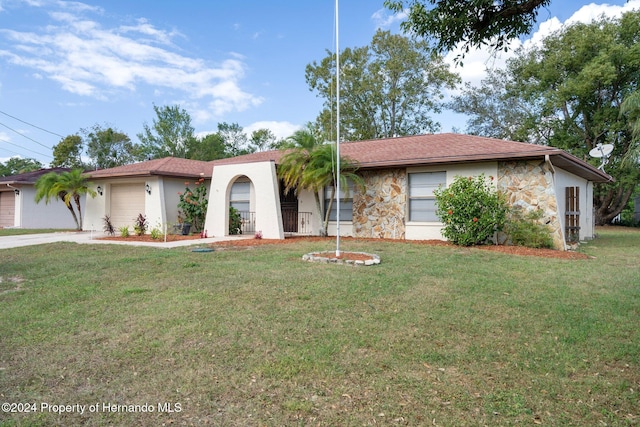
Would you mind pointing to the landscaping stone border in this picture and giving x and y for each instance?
(329, 257)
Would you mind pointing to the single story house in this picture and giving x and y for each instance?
(19, 209)
(400, 175)
(150, 188)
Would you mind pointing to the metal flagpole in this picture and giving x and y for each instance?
(337, 180)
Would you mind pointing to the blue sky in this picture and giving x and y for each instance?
(67, 65)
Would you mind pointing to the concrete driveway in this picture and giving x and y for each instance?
(88, 237)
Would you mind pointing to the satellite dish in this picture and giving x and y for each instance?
(602, 151)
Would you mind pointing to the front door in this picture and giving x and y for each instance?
(289, 208)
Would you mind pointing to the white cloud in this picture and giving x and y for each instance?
(89, 59)
(383, 18)
(478, 61)
(280, 129)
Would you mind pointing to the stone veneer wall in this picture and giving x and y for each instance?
(529, 185)
(380, 210)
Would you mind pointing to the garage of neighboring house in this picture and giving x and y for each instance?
(7, 208)
(126, 202)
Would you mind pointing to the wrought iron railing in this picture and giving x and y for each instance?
(248, 222)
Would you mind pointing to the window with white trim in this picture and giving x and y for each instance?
(346, 202)
(240, 197)
(422, 201)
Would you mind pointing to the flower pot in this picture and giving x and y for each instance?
(186, 227)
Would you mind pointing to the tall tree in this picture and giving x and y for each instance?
(262, 140)
(17, 165)
(109, 148)
(170, 135)
(576, 82)
(390, 88)
(310, 165)
(495, 111)
(66, 186)
(209, 147)
(68, 153)
(234, 138)
(472, 23)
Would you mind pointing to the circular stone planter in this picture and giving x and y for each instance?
(352, 258)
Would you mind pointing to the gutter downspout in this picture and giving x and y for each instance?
(547, 160)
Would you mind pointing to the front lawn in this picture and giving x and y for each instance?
(435, 335)
(21, 231)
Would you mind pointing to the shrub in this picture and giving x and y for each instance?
(527, 230)
(193, 204)
(124, 231)
(156, 233)
(141, 225)
(235, 221)
(258, 235)
(108, 226)
(471, 210)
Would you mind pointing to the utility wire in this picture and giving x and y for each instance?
(25, 136)
(24, 148)
(31, 124)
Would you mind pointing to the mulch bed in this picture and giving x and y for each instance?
(512, 250)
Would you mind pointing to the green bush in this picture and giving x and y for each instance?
(124, 231)
(194, 204)
(527, 230)
(235, 221)
(156, 233)
(471, 210)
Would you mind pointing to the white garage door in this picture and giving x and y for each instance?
(127, 201)
(7, 208)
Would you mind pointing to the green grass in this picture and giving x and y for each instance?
(21, 231)
(432, 336)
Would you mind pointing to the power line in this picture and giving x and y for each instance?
(25, 136)
(31, 124)
(24, 148)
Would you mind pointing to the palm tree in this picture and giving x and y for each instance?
(66, 186)
(310, 165)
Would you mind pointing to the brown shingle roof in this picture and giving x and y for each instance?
(30, 177)
(167, 166)
(434, 149)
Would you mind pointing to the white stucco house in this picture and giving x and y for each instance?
(150, 188)
(18, 208)
(400, 175)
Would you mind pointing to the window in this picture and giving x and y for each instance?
(240, 197)
(346, 202)
(422, 202)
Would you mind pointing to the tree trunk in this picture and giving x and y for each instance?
(327, 214)
(76, 198)
(323, 230)
(63, 196)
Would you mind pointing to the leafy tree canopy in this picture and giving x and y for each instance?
(388, 89)
(68, 152)
(108, 148)
(17, 165)
(569, 93)
(170, 135)
(472, 23)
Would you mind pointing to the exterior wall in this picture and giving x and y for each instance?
(433, 230)
(161, 205)
(530, 185)
(265, 190)
(380, 210)
(29, 214)
(565, 179)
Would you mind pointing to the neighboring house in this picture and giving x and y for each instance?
(400, 175)
(150, 188)
(19, 209)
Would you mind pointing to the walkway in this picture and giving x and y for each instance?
(87, 237)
